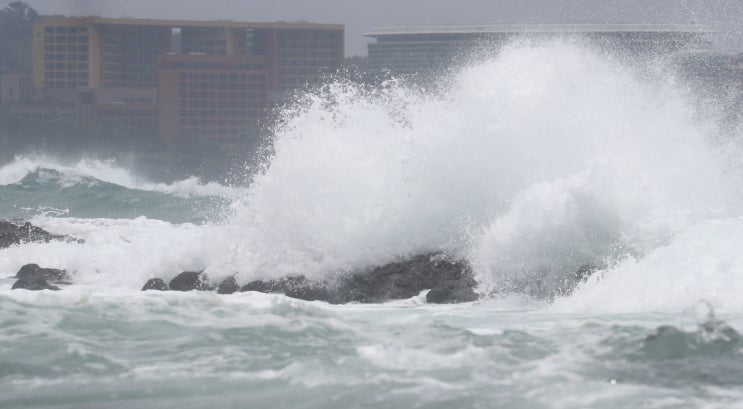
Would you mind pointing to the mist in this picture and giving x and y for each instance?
(723, 16)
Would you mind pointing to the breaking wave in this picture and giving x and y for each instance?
(544, 161)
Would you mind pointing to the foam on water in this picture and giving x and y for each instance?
(88, 171)
(701, 263)
(117, 253)
(543, 160)
(191, 349)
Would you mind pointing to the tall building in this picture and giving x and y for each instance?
(217, 95)
(214, 79)
(422, 52)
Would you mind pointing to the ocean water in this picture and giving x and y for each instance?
(530, 165)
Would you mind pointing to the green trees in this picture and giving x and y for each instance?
(16, 31)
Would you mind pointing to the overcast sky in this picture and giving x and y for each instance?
(726, 16)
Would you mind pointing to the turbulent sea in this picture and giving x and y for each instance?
(529, 166)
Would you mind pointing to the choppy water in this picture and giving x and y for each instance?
(548, 158)
(39, 185)
(92, 349)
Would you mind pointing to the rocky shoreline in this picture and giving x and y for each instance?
(449, 281)
(18, 232)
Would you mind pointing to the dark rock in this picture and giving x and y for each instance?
(189, 280)
(12, 234)
(452, 280)
(32, 277)
(261, 286)
(156, 284)
(292, 286)
(228, 286)
(34, 284)
(301, 288)
(450, 295)
(48, 274)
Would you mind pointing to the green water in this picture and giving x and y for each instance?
(85, 349)
(46, 192)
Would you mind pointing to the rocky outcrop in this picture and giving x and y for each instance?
(34, 278)
(450, 281)
(15, 233)
(156, 284)
(49, 274)
(296, 287)
(228, 286)
(34, 283)
(190, 280)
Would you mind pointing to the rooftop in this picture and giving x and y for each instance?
(187, 23)
(539, 28)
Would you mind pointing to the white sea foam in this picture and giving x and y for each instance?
(116, 253)
(702, 263)
(89, 171)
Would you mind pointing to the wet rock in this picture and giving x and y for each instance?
(228, 286)
(34, 278)
(156, 284)
(49, 274)
(452, 281)
(301, 288)
(450, 295)
(14, 233)
(293, 286)
(34, 283)
(261, 286)
(188, 281)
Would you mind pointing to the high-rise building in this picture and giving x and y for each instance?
(214, 79)
(423, 52)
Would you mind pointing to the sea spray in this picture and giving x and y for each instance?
(546, 160)
(532, 165)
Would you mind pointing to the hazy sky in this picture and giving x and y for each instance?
(360, 16)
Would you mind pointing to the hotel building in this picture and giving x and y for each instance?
(215, 79)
